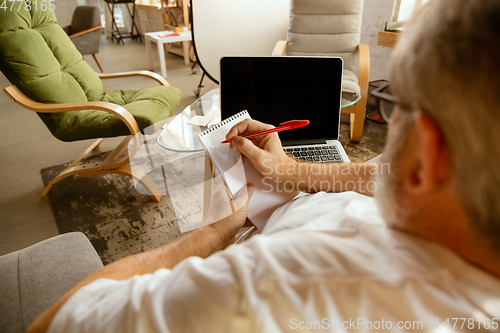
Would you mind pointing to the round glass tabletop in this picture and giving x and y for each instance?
(180, 134)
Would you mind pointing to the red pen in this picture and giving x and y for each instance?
(292, 124)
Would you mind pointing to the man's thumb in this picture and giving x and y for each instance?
(250, 189)
(243, 196)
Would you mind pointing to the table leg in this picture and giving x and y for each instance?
(161, 53)
(185, 49)
(148, 52)
(207, 184)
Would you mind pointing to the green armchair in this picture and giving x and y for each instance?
(50, 77)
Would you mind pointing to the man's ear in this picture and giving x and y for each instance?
(434, 168)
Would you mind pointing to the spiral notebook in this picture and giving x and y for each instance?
(237, 171)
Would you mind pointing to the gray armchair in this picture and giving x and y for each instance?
(332, 28)
(85, 30)
(33, 279)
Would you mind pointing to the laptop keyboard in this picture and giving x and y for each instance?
(317, 154)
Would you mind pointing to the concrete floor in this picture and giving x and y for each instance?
(27, 146)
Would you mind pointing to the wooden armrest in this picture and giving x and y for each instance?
(157, 77)
(17, 96)
(85, 31)
(66, 27)
(279, 48)
(364, 69)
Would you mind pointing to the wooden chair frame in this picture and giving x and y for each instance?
(114, 163)
(358, 110)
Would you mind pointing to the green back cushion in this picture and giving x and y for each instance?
(38, 57)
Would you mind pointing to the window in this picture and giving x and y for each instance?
(119, 18)
(402, 11)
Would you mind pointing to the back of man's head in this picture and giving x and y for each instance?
(447, 66)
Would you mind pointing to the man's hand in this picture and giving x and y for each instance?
(267, 156)
(227, 216)
(265, 152)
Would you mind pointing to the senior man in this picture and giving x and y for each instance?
(423, 255)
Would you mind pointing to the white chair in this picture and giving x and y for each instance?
(236, 27)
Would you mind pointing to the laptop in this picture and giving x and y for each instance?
(279, 89)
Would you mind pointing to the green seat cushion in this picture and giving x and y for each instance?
(149, 106)
(38, 57)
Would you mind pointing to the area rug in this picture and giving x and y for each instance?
(371, 145)
(120, 220)
(115, 213)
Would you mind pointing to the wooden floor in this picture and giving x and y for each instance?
(27, 146)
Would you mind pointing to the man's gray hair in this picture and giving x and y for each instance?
(448, 66)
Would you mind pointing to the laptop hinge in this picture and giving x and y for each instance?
(305, 142)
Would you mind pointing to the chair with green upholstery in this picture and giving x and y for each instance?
(50, 77)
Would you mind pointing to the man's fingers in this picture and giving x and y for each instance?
(247, 148)
(247, 125)
(237, 129)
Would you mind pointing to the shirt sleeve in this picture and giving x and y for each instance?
(339, 263)
(196, 296)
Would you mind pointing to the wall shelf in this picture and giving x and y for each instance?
(387, 38)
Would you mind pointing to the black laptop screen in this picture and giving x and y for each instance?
(279, 89)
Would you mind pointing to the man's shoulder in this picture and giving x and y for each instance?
(358, 265)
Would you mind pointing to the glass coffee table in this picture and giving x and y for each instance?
(191, 178)
(180, 136)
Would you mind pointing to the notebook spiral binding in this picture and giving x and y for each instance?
(222, 123)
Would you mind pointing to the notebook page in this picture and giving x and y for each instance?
(237, 172)
(227, 161)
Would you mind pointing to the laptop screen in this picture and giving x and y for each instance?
(279, 89)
